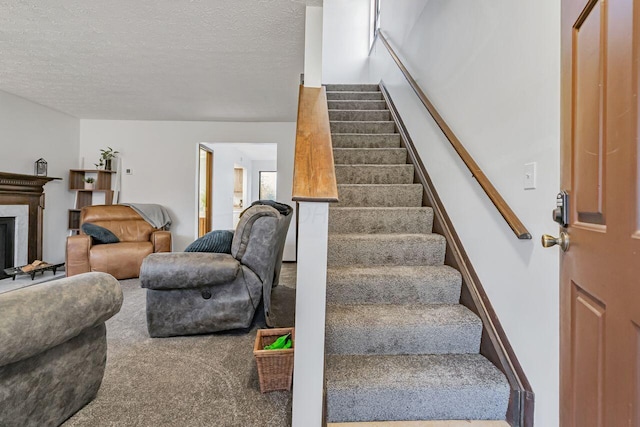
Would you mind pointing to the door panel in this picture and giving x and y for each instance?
(635, 408)
(636, 84)
(600, 273)
(588, 75)
(588, 356)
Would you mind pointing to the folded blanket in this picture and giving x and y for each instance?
(156, 215)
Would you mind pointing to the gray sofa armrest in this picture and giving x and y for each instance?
(183, 270)
(40, 317)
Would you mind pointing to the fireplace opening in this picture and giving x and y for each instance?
(7, 244)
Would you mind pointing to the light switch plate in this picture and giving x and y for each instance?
(530, 176)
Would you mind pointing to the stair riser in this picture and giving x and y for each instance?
(461, 403)
(380, 221)
(356, 105)
(400, 174)
(365, 141)
(403, 251)
(363, 127)
(414, 387)
(354, 96)
(404, 339)
(354, 88)
(379, 196)
(378, 156)
(359, 115)
(393, 285)
(377, 292)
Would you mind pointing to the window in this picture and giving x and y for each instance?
(375, 21)
(268, 182)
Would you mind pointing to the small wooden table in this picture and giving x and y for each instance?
(17, 271)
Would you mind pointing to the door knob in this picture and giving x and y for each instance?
(562, 241)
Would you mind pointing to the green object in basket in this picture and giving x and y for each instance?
(281, 343)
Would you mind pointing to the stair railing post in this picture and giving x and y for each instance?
(314, 188)
(311, 285)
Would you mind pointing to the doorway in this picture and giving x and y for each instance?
(240, 195)
(236, 170)
(205, 182)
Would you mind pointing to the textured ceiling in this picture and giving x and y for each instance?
(155, 59)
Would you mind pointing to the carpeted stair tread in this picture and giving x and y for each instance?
(353, 95)
(380, 220)
(382, 195)
(356, 105)
(353, 87)
(359, 115)
(430, 284)
(379, 156)
(362, 127)
(401, 329)
(414, 387)
(358, 140)
(374, 174)
(385, 249)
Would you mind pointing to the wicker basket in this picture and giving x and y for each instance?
(275, 367)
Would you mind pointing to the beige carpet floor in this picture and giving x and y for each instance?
(206, 380)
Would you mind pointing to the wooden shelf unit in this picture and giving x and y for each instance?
(85, 197)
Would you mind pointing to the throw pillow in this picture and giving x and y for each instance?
(218, 241)
(99, 234)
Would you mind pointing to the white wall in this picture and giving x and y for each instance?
(492, 70)
(164, 158)
(29, 131)
(313, 46)
(345, 41)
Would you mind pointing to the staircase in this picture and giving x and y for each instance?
(399, 346)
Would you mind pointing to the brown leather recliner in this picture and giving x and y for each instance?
(122, 260)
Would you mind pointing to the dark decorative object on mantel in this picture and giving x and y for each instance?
(40, 167)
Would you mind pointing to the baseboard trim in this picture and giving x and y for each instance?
(494, 345)
(461, 423)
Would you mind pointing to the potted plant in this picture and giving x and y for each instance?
(89, 183)
(108, 155)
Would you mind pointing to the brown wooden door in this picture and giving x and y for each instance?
(600, 273)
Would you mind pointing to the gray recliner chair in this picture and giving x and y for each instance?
(194, 293)
(53, 347)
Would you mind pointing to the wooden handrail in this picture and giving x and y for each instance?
(507, 213)
(314, 176)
